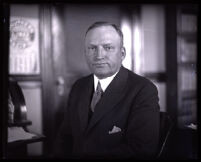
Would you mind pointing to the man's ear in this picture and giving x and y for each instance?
(123, 52)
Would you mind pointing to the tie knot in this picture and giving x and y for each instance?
(96, 96)
(98, 88)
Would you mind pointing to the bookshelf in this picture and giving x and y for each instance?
(187, 61)
(181, 63)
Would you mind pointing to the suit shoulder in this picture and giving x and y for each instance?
(82, 81)
(136, 79)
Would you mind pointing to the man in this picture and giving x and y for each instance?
(121, 120)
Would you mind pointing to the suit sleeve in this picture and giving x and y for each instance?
(142, 134)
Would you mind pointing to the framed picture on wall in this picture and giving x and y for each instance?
(24, 58)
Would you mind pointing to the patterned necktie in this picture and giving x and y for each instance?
(96, 96)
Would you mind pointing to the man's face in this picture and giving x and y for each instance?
(103, 51)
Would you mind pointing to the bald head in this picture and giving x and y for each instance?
(102, 23)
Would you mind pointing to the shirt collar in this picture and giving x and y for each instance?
(104, 82)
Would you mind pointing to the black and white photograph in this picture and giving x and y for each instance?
(105, 80)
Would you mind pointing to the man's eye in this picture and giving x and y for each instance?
(108, 48)
(92, 48)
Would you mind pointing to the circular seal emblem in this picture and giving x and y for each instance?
(22, 34)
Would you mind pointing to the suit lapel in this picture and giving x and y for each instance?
(84, 104)
(110, 98)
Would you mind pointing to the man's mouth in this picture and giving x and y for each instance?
(99, 64)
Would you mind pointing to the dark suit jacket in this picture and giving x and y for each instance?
(130, 102)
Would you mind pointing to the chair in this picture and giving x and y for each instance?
(18, 135)
(166, 125)
(17, 97)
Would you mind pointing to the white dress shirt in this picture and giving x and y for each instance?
(104, 82)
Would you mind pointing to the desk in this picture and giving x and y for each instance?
(18, 149)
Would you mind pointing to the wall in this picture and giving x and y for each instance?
(153, 45)
(33, 99)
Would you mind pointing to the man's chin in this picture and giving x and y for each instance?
(102, 75)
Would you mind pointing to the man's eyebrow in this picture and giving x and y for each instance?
(107, 44)
(104, 44)
(90, 44)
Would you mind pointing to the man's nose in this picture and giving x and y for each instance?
(100, 52)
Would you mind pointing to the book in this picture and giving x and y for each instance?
(188, 23)
(18, 133)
